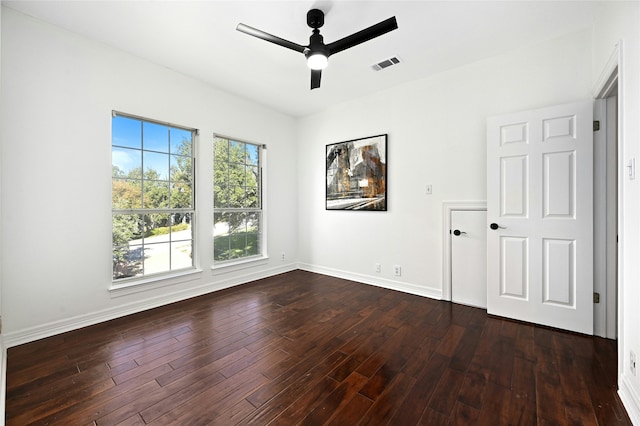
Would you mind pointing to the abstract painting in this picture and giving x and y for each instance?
(357, 174)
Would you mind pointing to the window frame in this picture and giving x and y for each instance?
(140, 210)
(260, 209)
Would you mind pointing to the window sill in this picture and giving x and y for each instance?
(231, 266)
(151, 283)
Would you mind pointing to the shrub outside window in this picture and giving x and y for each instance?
(237, 204)
(153, 206)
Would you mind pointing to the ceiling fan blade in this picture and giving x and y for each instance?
(270, 38)
(365, 35)
(316, 75)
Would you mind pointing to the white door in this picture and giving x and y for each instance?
(540, 212)
(469, 257)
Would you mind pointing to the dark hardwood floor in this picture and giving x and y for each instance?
(302, 348)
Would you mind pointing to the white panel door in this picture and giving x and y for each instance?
(540, 216)
(469, 257)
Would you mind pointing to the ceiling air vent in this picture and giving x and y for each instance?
(386, 63)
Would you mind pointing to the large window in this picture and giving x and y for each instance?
(237, 206)
(152, 197)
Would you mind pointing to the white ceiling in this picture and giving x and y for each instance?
(199, 39)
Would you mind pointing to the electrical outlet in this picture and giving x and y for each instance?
(397, 270)
(632, 362)
(282, 257)
(378, 268)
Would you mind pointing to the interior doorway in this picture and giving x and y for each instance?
(606, 187)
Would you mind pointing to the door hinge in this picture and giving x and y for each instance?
(596, 297)
(596, 125)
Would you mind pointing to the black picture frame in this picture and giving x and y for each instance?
(356, 174)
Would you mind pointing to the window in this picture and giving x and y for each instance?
(237, 194)
(152, 197)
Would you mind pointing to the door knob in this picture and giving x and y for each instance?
(495, 226)
(457, 232)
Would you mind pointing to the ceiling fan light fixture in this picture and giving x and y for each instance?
(317, 61)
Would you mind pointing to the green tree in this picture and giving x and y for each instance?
(181, 191)
(235, 181)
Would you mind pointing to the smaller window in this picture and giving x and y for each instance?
(237, 200)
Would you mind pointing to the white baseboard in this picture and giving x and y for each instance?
(630, 399)
(431, 293)
(31, 334)
(3, 380)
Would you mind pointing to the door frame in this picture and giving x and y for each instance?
(609, 320)
(447, 208)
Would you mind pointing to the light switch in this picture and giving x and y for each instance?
(631, 168)
(429, 189)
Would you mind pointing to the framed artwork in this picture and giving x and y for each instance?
(357, 174)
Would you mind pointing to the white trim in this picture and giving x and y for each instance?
(3, 380)
(418, 290)
(239, 264)
(609, 74)
(600, 218)
(31, 334)
(152, 282)
(630, 399)
(447, 208)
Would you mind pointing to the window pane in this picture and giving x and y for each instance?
(181, 227)
(127, 253)
(220, 150)
(126, 162)
(251, 198)
(181, 196)
(126, 193)
(181, 255)
(220, 197)
(156, 166)
(155, 137)
(127, 261)
(229, 235)
(236, 197)
(156, 227)
(253, 234)
(252, 154)
(127, 229)
(181, 168)
(126, 132)
(237, 245)
(220, 236)
(180, 141)
(236, 152)
(251, 175)
(157, 258)
(221, 174)
(156, 194)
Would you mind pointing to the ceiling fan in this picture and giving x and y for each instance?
(317, 53)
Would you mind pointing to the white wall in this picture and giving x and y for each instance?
(437, 135)
(619, 24)
(58, 93)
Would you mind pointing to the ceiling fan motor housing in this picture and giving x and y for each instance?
(315, 18)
